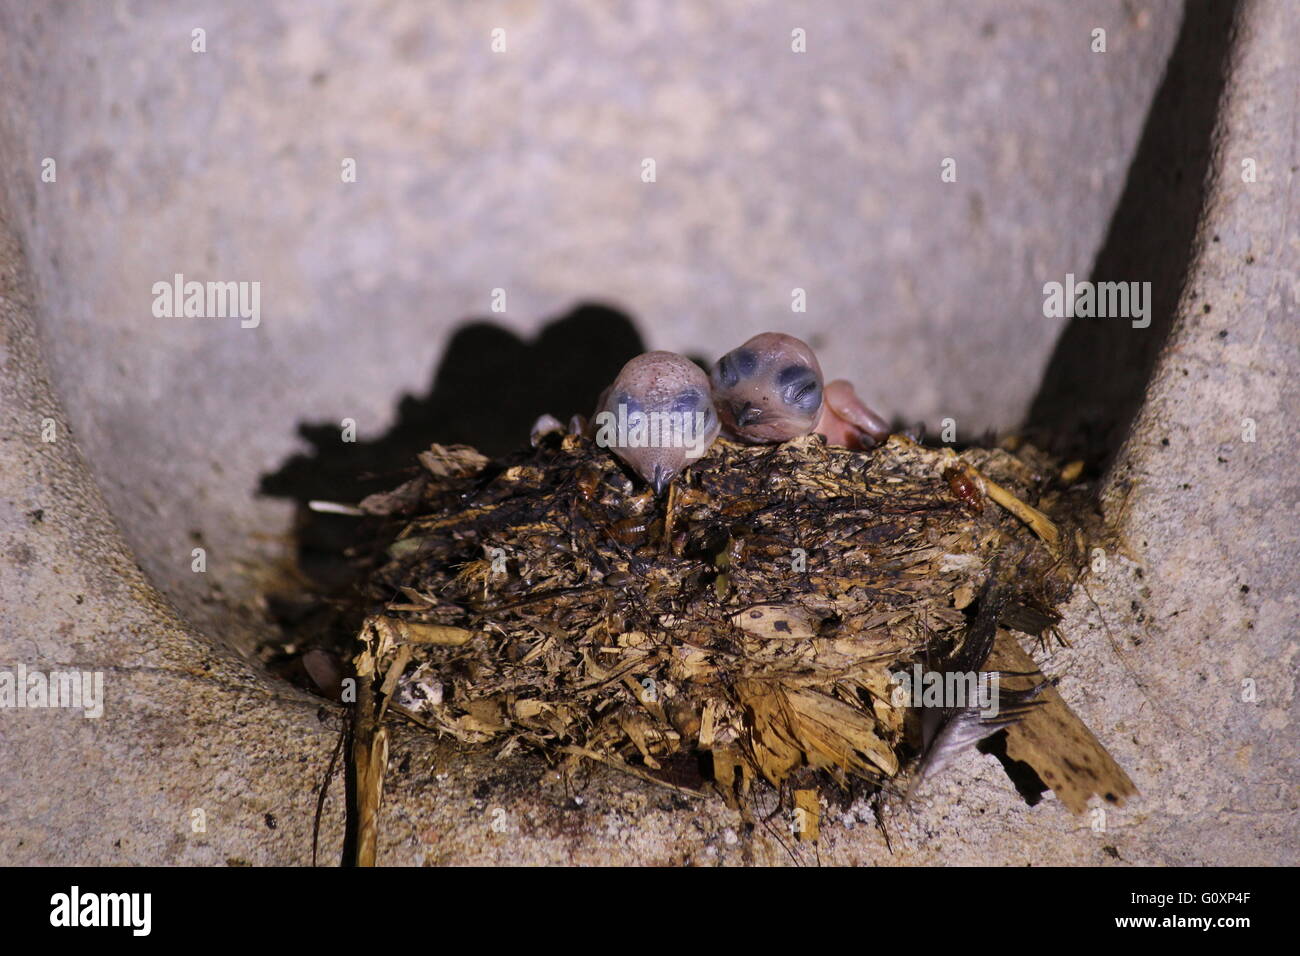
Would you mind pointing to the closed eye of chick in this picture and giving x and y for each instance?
(657, 416)
(770, 390)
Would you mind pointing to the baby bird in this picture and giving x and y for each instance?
(657, 416)
(770, 390)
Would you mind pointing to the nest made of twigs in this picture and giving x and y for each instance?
(749, 621)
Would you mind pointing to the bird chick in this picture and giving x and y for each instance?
(770, 390)
(657, 416)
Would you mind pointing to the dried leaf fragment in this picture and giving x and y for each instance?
(1055, 742)
(807, 816)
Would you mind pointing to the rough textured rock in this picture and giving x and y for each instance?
(521, 171)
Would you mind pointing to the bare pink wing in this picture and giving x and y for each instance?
(846, 420)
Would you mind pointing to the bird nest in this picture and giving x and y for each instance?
(745, 626)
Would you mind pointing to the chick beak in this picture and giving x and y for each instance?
(660, 479)
(748, 415)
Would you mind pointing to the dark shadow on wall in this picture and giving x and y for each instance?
(1098, 373)
(487, 391)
